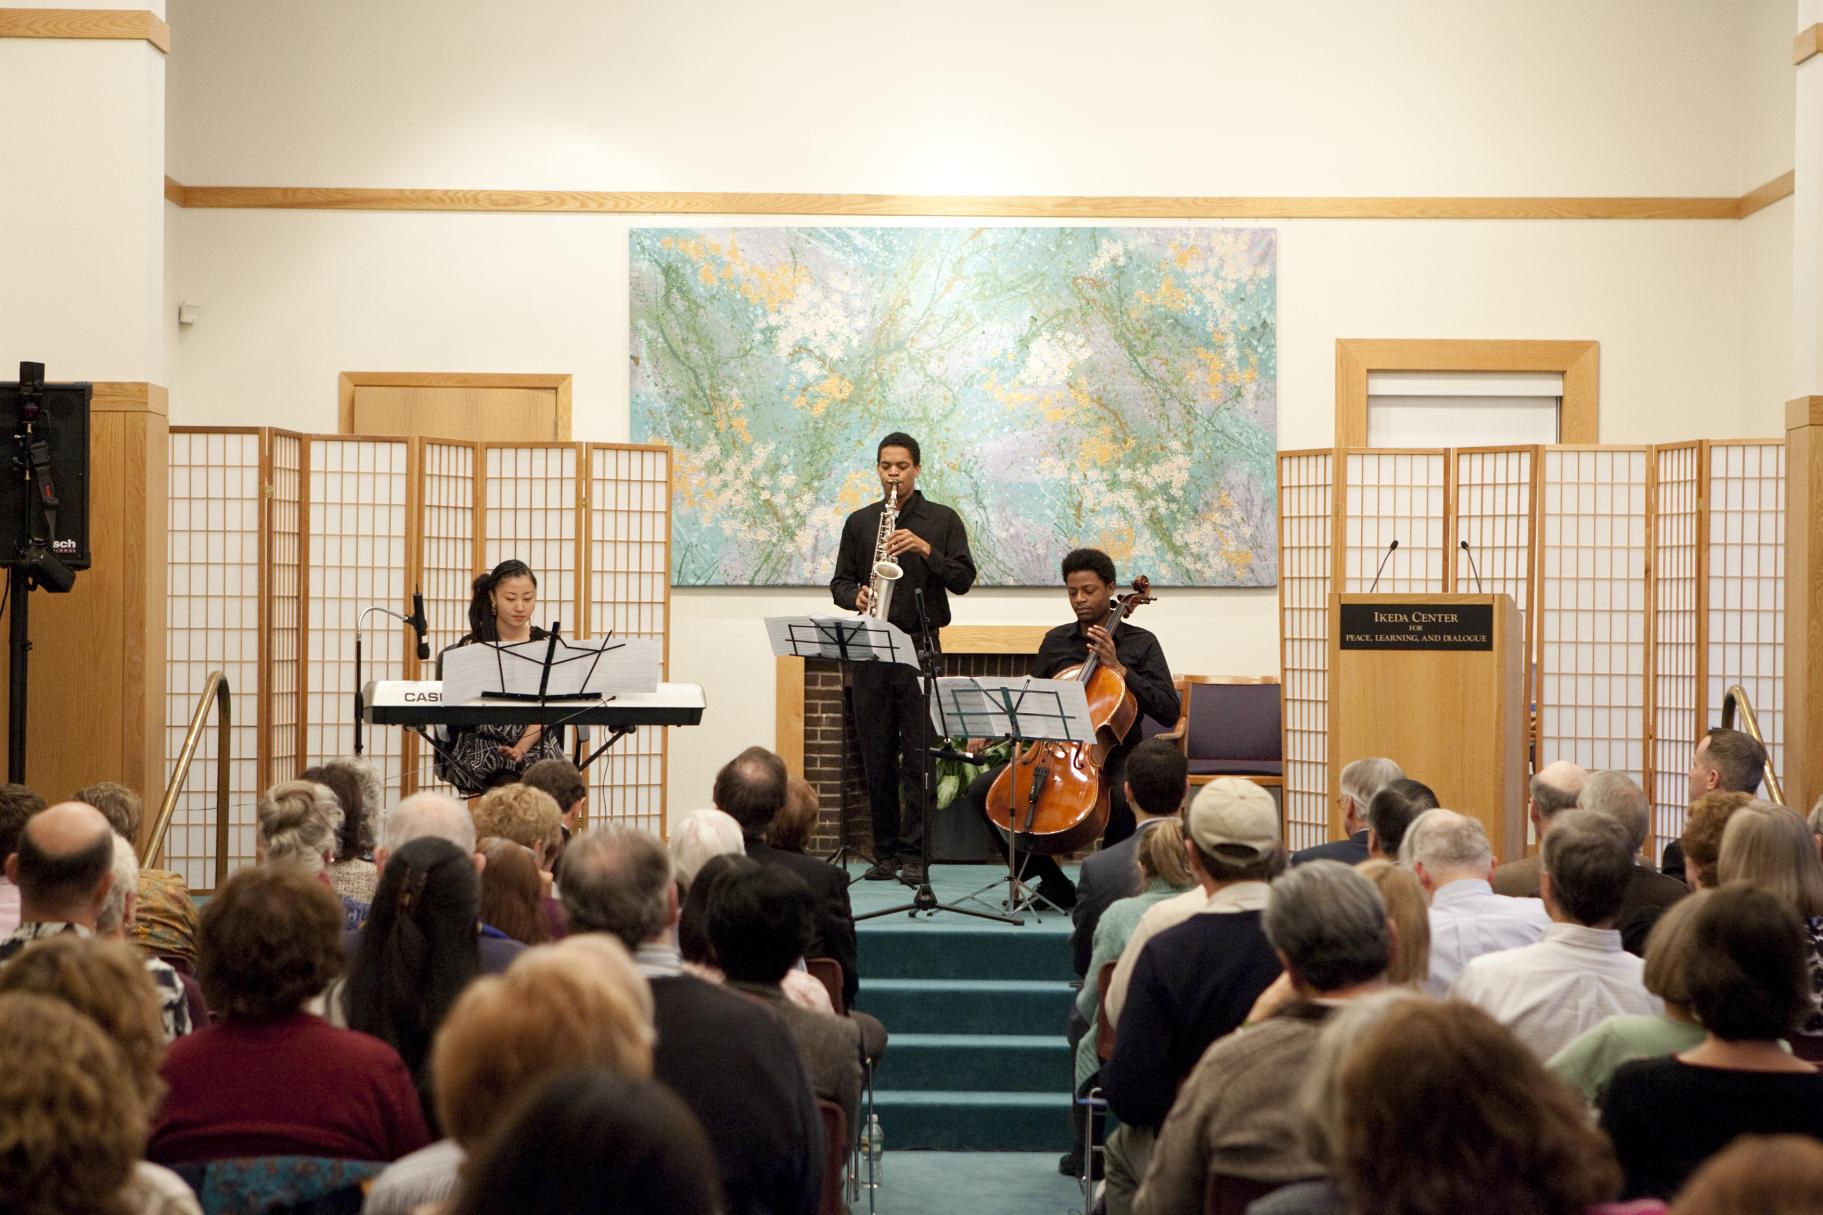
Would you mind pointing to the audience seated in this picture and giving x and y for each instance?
(1556, 786)
(1725, 761)
(591, 1133)
(752, 788)
(436, 816)
(1757, 1175)
(1319, 1102)
(1768, 846)
(1360, 782)
(1442, 1112)
(357, 792)
(512, 892)
(1157, 780)
(416, 953)
(564, 783)
(699, 835)
(1236, 1115)
(729, 1059)
(1749, 987)
(298, 821)
(1701, 842)
(1648, 891)
(1165, 873)
(1450, 857)
(72, 1122)
(530, 818)
(1195, 981)
(105, 981)
(165, 917)
(1588, 1062)
(693, 914)
(63, 869)
(269, 1078)
(793, 826)
(590, 1008)
(1411, 917)
(17, 803)
(1577, 974)
(1391, 814)
(759, 923)
(114, 922)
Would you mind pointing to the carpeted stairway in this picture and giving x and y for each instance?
(978, 1060)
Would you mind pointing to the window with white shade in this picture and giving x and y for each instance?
(1462, 409)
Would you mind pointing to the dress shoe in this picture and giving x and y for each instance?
(881, 871)
(1060, 891)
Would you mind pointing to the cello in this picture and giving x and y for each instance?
(1054, 794)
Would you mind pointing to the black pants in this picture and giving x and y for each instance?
(893, 728)
(1041, 867)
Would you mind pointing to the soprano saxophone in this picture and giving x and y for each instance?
(886, 570)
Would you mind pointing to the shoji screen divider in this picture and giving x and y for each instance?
(1306, 561)
(1745, 574)
(447, 555)
(1495, 511)
(1393, 494)
(1679, 622)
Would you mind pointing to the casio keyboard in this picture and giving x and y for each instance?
(418, 705)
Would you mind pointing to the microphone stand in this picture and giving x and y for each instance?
(924, 899)
(360, 693)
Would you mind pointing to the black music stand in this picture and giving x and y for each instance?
(1034, 711)
(843, 639)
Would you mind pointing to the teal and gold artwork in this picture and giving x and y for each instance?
(1108, 387)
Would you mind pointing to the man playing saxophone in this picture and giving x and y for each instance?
(930, 546)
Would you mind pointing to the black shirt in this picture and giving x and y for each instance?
(949, 570)
(1667, 1117)
(1148, 678)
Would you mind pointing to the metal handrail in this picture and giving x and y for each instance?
(1735, 700)
(215, 692)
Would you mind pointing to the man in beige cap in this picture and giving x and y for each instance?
(1192, 971)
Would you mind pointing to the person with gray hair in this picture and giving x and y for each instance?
(1554, 787)
(114, 921)
(1450, 855)
(728, 1057)
(1576, 974)
(297, 824)
(429, 815)
(699, 835)
(1237, 1115)
(1648, 892)
(1360, 782)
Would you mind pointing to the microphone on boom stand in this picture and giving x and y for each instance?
(1383, 561)
(1467, 552)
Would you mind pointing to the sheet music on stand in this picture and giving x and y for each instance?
(1027, 709)
(842, 638)
(578, 669)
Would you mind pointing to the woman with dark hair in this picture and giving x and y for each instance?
(268, 1078)
(357, 789)
(693, 916)
(511, 891)
(480, 757)
(592, 1140)
(416, 953)
(1749, 988)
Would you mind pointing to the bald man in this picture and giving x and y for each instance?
(64, 869)
(1556, 787)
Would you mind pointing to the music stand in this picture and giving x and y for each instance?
(843, 639)
(1024, 710)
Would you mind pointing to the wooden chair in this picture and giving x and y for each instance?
(835, 1131)
(1151, 729)
(1231, 728)
(1229, 1195)
(828, 971)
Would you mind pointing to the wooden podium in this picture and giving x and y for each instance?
(1434, 683)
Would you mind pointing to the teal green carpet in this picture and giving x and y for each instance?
(976, 1009)
(971, 1183)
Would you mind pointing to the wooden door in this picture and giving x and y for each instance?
(477, 408)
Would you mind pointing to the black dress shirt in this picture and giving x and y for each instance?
(949, 570)
(1148, 677)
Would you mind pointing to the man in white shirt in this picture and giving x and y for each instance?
(1449, 853)
(1577, 975)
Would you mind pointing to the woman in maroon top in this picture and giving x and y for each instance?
(270, 1079)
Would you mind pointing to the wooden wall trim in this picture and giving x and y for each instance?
(1578, 362)
(1028, 206)
(1803, 411)
(107, 24)
(788, 712)
(1809, 42)
(992, 638)
(129, 396)
(1760, 197)
(174, 191)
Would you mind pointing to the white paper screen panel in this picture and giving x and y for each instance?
(285, 625)
(446, 556)
(357, 558)
(1394, 496)
(1592, 608)
(212, 624)
(1494, 515)
(1306, 523)
(532, 514)
(1746, 592)
(628, 592)
(1675, 700)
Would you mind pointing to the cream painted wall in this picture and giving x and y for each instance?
(1181, 96)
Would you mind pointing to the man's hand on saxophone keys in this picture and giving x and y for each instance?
(905, 541)
(863, 597)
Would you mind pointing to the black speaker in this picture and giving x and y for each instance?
(59, 440)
